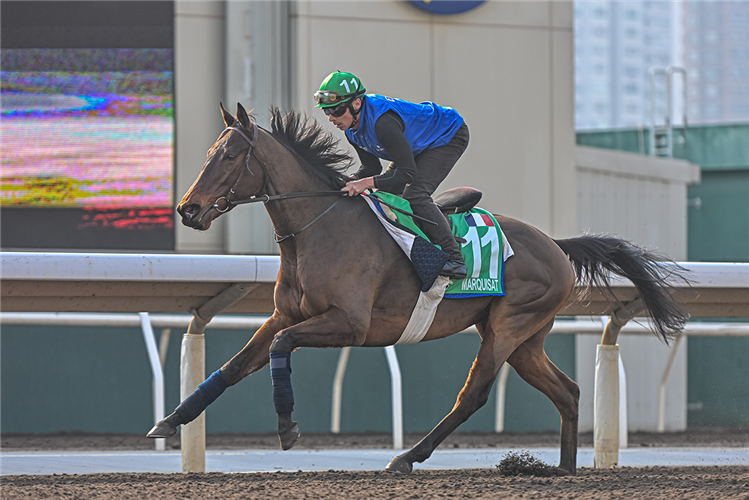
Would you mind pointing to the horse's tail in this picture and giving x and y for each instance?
(593, 257)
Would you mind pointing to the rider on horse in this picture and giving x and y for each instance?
(423, 141)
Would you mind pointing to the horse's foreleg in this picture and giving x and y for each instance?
(251, 358)
(473, 396)
(530, 362)
(330, 329)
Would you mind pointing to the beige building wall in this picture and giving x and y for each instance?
(199, 86)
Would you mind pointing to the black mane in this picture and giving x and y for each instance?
(313, 144)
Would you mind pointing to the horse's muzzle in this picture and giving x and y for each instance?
(189, 213)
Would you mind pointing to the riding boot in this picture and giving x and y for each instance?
(442, 235)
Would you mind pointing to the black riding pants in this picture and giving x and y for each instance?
(432, 166)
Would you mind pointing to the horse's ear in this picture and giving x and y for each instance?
(242, 116)
(228, 119)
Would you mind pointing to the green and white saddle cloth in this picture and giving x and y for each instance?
(485, 247)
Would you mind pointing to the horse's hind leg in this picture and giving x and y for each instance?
(473, 396)
(250, 359)
(533, 365)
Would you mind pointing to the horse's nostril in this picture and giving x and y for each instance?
(189, 211)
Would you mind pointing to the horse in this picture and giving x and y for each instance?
(344, 282)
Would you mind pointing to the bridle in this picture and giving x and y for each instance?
(225, 203)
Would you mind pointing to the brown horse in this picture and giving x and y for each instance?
(345, 282)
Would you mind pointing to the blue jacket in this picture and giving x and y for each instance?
(428, 125)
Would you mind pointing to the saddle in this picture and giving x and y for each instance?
(457, 200)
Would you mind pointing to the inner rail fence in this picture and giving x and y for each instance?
(157, 355)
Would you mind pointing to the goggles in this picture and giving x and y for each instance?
(336, 111)
(327, 97)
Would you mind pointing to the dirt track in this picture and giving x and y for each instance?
(651, 483)
(625, 482)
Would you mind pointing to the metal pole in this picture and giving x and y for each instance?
(499, 422)
(623, 429)
(395, 382)
(662, 386)
(335, 421)
(158, 374)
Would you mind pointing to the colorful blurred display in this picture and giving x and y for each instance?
(92, 130)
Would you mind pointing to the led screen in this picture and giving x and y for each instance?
(87, 137)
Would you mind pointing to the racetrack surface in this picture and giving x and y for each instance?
(623, 482)
(630, 483)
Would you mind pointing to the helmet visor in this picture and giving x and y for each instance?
(328, 98)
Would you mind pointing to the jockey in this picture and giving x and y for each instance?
(423, 142)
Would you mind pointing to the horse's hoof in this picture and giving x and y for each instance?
(162, 430)
(399, 466)
(290, 437)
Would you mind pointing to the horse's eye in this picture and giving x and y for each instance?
(230, 157)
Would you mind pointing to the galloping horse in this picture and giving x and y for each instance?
(345, 282)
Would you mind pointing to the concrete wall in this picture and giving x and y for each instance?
(640, 198)
(644, 200)
(505, 66)
(199, 86)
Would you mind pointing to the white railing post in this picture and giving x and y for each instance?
(499, 422)
(606, 407)
(395, 383)
(623, 426)
(335, 419)
(158, 374)
(662, 386)
(192, 374)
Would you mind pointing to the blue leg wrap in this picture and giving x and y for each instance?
(205, 394)
(280, 374)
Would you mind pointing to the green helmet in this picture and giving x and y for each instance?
(338, 87)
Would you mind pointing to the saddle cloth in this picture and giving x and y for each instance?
(485, 247)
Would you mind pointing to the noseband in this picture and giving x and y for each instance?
(225, 203)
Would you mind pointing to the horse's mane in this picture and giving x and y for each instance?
(313, 144)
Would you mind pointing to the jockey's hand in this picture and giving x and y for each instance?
(355, 188)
